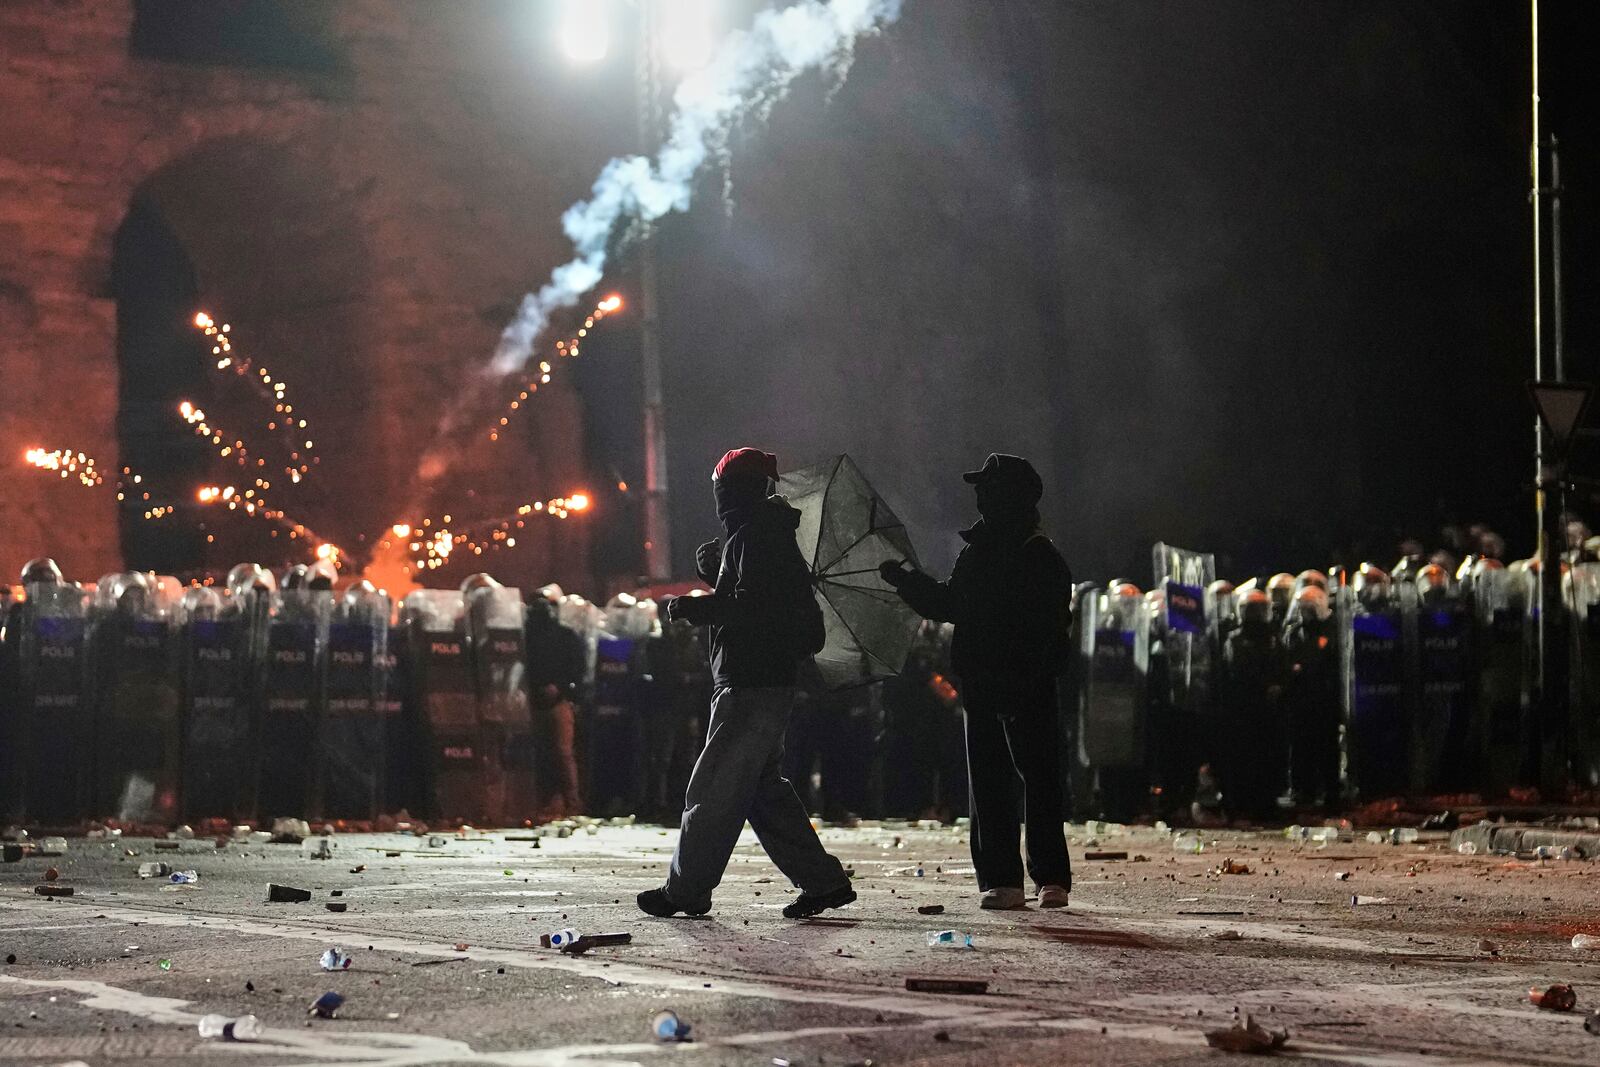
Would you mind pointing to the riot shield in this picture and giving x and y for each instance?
(1111, 732)
(354, 736)
(1584, 705)
(401, 780)
(449, 735)
(291, 704)
(496, 637)
(1504, 618)
(133, 648)
(1439, 637)
(612, 738)
(218, 644)
(47, 639)
(1377, 718)
(1312, 703)
(1182, 699)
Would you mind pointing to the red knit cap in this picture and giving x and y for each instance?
(747, 461)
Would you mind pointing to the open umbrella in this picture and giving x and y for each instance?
(846, 530)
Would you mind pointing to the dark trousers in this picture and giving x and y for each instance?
(1012, 732)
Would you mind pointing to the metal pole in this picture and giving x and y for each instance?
(657, 523)
(1538, 356)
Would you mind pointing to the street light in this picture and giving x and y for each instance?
(678, 34)
(586, 31)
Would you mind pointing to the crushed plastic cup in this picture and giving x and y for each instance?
(1586, 942)
(437, 842)
(154, 870)
(183, 877)
(164, 964)
(1468, 848)
(1375, 837)
(335, 959)
(1188, 843)
(666, 1026)
(1592, 1023)
(1323, 835)
(1359, 901)
(53, 844)
(949, 939)
(244, 1028)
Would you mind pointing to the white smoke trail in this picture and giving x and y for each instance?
(750, 70)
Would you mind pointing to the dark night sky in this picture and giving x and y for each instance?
(1248, 277)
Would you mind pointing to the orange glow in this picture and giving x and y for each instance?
(611, 303)
(578, 502)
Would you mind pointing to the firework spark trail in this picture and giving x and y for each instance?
(749, 72)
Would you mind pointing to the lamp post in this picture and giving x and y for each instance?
(684, 41)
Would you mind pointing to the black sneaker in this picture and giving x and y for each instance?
(656, 902)
(807, 905)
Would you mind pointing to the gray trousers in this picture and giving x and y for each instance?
(738, 777)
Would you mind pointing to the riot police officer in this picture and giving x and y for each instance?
(1311, 699)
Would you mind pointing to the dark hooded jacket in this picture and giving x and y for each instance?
(1010, 598)
(764, 619)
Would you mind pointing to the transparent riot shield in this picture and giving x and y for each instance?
(613, 731)
(1377, 716)
(218, 646)
(291, 705)
(450, 737)
(355, 738)
(1504, 616)
(1184, 577)
(47, 643)
(1183, 697)
(1112, 730)
(1439, 640)
(496, 637)
(137, 742)
(1584, 706)
(401, 776)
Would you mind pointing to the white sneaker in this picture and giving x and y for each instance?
(1003, 898)
(1052, 896)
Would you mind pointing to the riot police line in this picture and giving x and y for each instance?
(140, 701)
(1325, 691)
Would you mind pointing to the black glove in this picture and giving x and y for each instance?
(708, 560)
(694, 610)
(893, 572)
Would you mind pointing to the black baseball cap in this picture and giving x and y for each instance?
(1008, 472)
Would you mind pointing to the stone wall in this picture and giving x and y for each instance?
(365, 232)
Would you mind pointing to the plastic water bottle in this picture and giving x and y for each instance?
(564, 937)
(949, 939)
(184, 877)
(1468, 848)
(1404, 835)
(244, 1028)
(1188, 843)
(1586, 942)
(154, 870)
(53, 844)
(666, 1026)
(317, 848)
(1323, 834)
(336, 959)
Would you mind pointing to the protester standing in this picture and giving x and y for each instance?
(1010, 598)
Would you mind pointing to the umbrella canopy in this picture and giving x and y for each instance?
(846, 530)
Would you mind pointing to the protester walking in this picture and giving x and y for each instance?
(764, 623)
(1010, 598)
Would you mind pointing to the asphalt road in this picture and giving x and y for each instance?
(1133, 973)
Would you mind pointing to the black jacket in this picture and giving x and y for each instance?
(763, 615)
(1010, 598)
